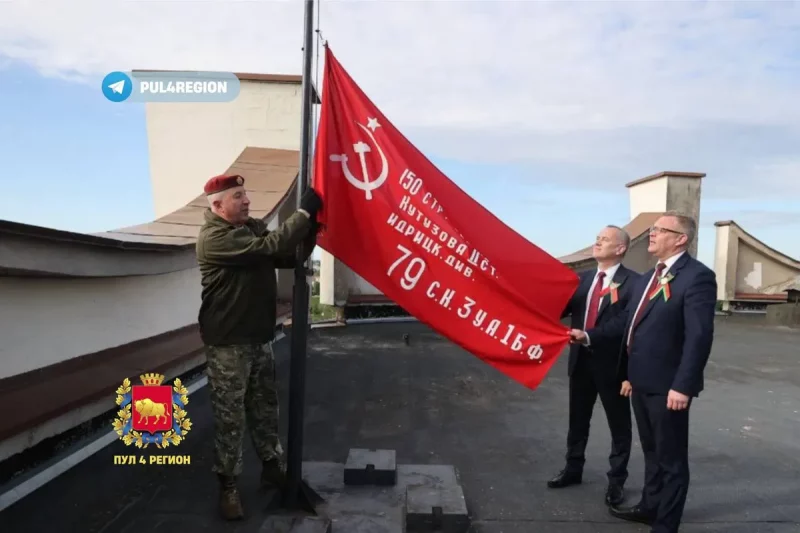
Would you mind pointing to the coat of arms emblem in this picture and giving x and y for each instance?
(152, 413)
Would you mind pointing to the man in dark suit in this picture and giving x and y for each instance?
(669, 330)
(602, 294)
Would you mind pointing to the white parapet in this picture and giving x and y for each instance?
(47, 321)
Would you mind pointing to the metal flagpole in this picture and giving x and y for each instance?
(297, 494)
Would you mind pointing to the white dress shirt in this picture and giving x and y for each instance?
(610, 272)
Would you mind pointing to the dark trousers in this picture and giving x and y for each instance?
(664, 435)
(585, 384)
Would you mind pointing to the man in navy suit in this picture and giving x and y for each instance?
(602, 294)
(669, 330)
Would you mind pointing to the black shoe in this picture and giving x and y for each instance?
(634, 514)
(230, 503)
(565, 479)
(273, 474)
(615, 495)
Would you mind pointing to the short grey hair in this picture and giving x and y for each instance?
(623, 236)
(687, 224)
(215, 196)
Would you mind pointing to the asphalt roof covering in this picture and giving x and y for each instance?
(436, 404)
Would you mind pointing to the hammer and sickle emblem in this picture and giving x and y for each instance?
(361, 148)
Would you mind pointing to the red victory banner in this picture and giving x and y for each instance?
(398, 222)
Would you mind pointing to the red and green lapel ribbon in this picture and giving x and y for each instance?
(663, 288)
(612, 290)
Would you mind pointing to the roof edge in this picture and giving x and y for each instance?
(580, 255)
(780, 256)
(664, 174)
(75, 254)
(52, 234)
(246, 76)
(291, 190)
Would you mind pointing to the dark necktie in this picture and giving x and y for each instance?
(653, 284)
(594, 302)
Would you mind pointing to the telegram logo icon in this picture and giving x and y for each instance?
(117, 86)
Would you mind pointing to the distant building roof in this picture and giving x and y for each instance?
(755, 241)
(269, 176)
(163, 245)
(635, 228)
(652, 177)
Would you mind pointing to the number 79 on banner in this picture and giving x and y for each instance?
(409, 279)
(413, 271)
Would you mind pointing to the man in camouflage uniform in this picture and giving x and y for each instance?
(238, 257)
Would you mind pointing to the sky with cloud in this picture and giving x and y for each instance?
(536, 109)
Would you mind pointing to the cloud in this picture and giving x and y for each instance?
(741, 162)
(608, 91)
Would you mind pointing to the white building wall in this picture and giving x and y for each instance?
(337, 282)
(684, 196)
(648, 197)
(361, 287)
(190, 142)
(46, 321)
(722, 257)
(667, 193)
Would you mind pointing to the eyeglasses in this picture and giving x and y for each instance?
(657, 229)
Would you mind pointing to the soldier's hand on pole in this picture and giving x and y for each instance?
(310, 202)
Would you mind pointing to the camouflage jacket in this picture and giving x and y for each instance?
(239, 285)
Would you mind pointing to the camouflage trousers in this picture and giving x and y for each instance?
(241, 380)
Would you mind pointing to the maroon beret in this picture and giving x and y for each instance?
(221, 183)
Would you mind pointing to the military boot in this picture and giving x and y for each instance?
(272, 474)
(230, 504)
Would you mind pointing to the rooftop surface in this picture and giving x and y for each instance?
(435, 404)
